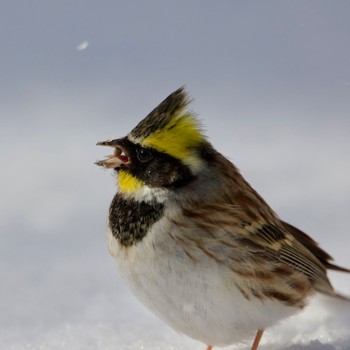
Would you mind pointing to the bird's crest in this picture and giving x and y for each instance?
(170, 128)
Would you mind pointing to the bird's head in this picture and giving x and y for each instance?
(167, 149)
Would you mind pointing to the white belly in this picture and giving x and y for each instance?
(198, 299)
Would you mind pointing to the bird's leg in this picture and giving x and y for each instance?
(257, 339)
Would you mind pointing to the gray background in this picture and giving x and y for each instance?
(271, 82)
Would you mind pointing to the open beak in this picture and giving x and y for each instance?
(116, 160)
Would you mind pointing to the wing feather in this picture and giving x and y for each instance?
(271, 246)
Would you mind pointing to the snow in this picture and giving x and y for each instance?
(83, 45)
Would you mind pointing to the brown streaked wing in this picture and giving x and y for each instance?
(270, 242)
(294, 254)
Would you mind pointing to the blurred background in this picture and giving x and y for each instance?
(271, 84)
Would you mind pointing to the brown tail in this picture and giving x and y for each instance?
(314, 248)
(330, 266)
(321, 255)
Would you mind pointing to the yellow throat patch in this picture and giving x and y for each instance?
(128, 183)
(177, 138)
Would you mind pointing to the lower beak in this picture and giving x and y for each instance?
(116, 160)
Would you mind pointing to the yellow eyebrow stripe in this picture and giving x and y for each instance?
(177, 139)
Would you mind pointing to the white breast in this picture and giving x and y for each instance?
(198, 298)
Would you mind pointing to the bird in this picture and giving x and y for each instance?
(195, 243)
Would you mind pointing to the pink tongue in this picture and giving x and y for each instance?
(124, 159)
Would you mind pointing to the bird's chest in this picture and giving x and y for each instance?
(186, 287)
(130, 220)
(151, 263)
(187, 294)
(141, 239)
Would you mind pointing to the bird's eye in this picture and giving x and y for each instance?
(144, 154)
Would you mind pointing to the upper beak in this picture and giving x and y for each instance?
(116, 160)
(111, 143)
